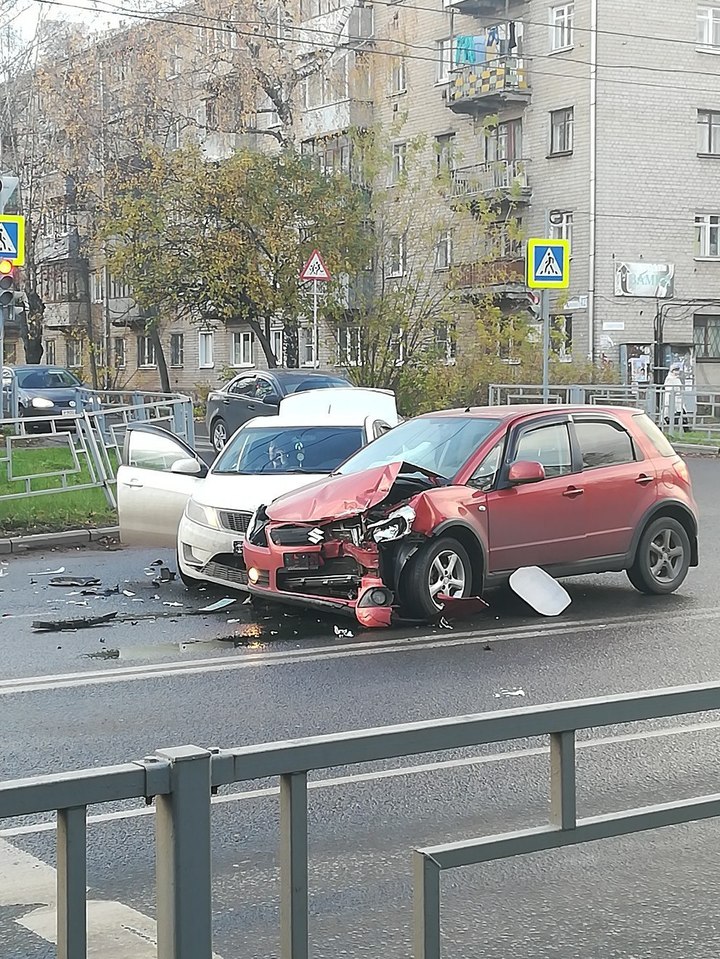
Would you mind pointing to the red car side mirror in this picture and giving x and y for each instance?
(525, 471)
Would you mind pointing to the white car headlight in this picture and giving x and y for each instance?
(204, 515)
(40, 403)
(395, 526)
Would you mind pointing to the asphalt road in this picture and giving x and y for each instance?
(246, 675)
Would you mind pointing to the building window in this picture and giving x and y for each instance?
(349, 346)
(707, 235)
(277, 345)
(561, 225)
(177, 349)
(443, 251)
(211, 114)
(73, 353)
(174, 60)
(119, 352)
(445, 151)
(242, 348)
(444, 59)
(397, 256)
(446, 341)
(119, 289)
(145, 352)
(397, 345)
(205, 351)
(175, 135)
(398, 77)
(504, 142)
(561, 26)
(708, 26)
(562, 336)
(307, 346)
(49, 352)
(561, 130)
(706, 336)
(399, 156)
(97, 286)
(708, 126)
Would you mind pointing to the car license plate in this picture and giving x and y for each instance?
(302, 560)
(68, 412)
(237, 547)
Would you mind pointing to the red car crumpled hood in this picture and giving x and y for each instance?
(336, 497)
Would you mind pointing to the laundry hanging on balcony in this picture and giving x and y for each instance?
(470, 49)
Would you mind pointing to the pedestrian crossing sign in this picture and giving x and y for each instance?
(548, 264)
(12, 239)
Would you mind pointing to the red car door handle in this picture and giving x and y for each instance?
(643, 479)
(573, 491)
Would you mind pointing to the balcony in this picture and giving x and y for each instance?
(503, 277)
(357, 291)
(57, 246)
(62, 316)
(484, 88)
(336, 118)
(504, 180)
(495, 9)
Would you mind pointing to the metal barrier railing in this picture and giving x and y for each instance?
(93, 436)
(183, 780)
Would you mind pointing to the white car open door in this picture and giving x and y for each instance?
(158, 475)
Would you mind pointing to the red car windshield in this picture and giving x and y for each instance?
(434, 444)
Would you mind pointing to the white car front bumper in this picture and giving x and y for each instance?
(211, 555)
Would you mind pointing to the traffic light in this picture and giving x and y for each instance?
(8, 283)
(533, 305)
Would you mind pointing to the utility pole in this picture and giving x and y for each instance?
(8, 186)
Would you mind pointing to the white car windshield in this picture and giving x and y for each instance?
(436, 444)
(289, 449)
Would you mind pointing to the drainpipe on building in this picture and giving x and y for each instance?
(593, 177)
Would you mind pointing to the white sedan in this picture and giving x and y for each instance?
(167, 497)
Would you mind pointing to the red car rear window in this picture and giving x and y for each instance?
(656, 437)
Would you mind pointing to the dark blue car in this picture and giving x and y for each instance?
(41, 390)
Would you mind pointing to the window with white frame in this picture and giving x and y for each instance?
(398, 76)
(562, 124)
(174, 61)
(119, 288)
(399, 157)
(206, 359)
(242, 348)
(708, 27)
(561, 225)
(708, 128)
(445, 341)
(307, 346)
(177, 349)
(443, 250)
(212, 121)
(397, 345)
(97, 286)
(73, 353)
(397, 256)
(707, 235)
(444, 59)
(350, 345)
(277, 345)
(561, 26)
(49, 352)
(146, 351)
(119, 352)
(175, 135)
(445, 152)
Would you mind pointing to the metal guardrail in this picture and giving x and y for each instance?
(93, 436)
(183, 780)
(672, 408)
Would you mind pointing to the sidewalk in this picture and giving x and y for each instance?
(74, 537)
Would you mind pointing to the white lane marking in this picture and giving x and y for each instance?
(115, 931)
(408, 644)
(398, 772)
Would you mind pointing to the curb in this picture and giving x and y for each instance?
(75, 537)
(696, 450)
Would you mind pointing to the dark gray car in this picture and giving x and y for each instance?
(258, 393)
(41, 390)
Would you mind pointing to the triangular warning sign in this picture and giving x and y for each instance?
(7, 247)
(549, 267)
(315, 268)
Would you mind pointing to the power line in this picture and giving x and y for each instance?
(222, 27)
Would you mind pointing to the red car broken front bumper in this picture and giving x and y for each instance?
(335, 577)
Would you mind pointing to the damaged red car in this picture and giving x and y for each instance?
(449, 504)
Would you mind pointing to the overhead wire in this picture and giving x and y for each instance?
(221, 25)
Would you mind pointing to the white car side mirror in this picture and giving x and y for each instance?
(186, 467)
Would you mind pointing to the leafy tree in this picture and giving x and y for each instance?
(224, 242)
